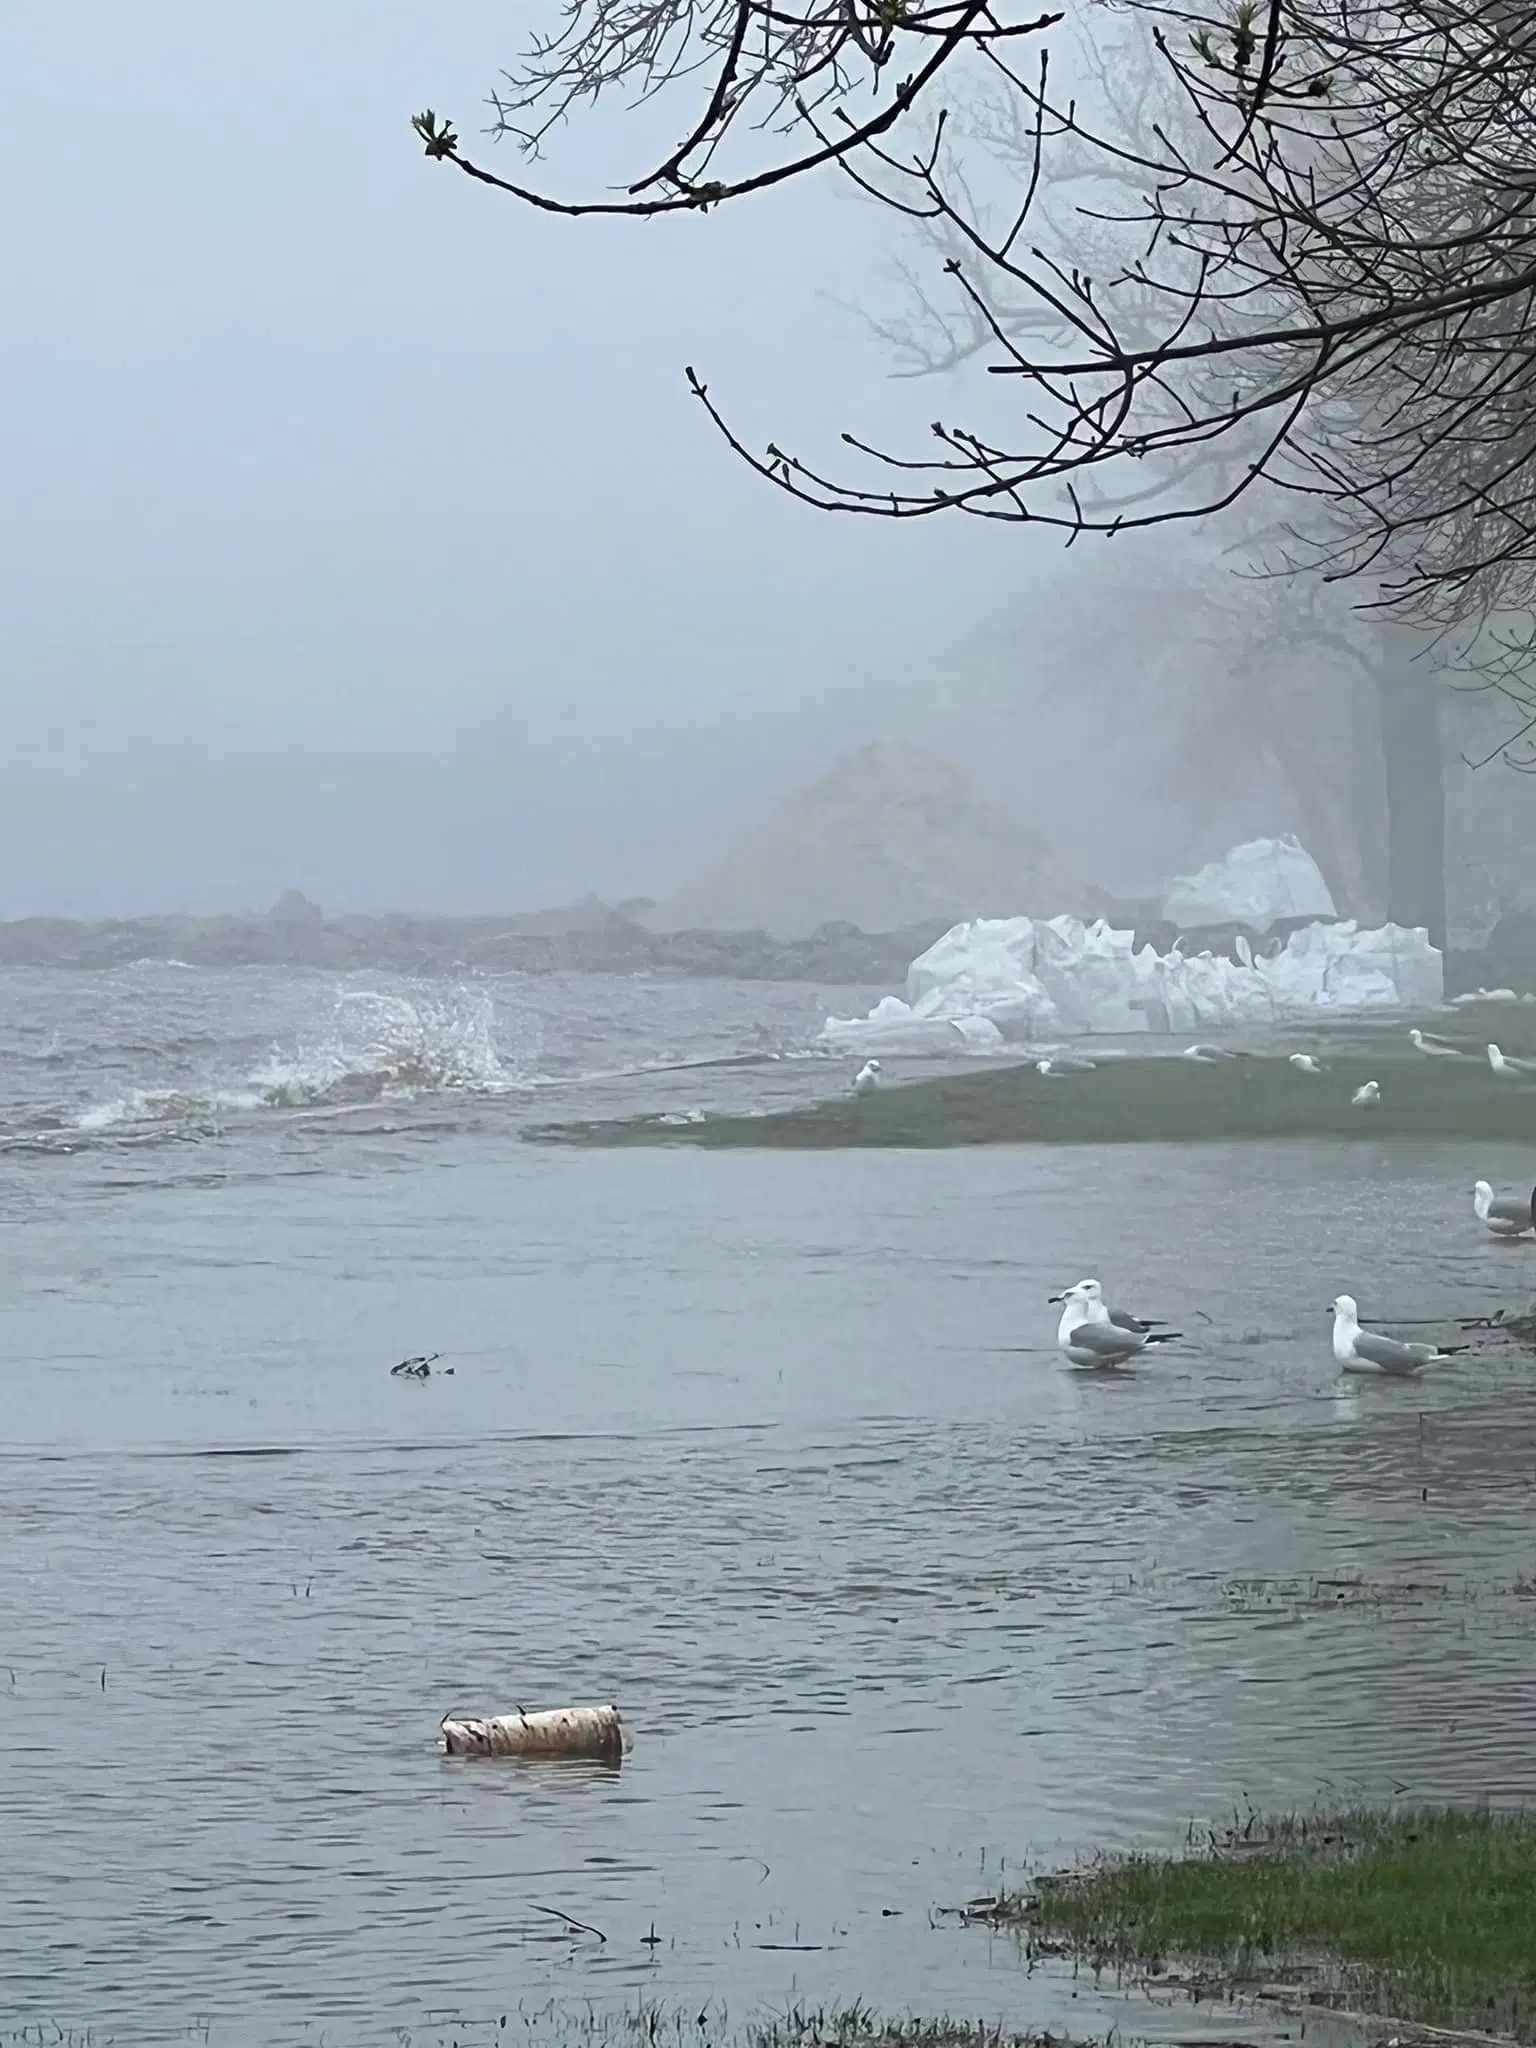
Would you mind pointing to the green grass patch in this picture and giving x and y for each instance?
(1428, 1916)
(1130, 1101)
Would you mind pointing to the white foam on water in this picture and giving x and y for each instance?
(165, 1106)
(377, 1047)
(396, 1048)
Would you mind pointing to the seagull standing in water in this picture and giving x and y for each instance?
(1508, 1069)
(1367, 1351)
(1304, 1063)
(1504, 1215)
(1063, 1063)
(1092, 1335)
(1206, 1055)
(1436, 1048)
(867, 1079)
(1367, 1097)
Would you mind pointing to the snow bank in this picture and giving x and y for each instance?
(1256, 884)
(1021, 978)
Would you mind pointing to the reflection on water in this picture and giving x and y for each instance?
(776, 1452)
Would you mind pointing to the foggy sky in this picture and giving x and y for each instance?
(359, 533)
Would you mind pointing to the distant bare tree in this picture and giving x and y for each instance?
(1314, 676)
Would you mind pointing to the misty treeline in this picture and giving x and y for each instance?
(1265, 265)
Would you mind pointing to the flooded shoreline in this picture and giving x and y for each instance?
(776, 1452)
(771, 1448)
(1124, 1099)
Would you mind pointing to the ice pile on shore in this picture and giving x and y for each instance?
(1021, 978)
(1261, 883)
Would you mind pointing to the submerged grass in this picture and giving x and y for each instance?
(860, 2026)
(1125, 1101)
(1427, 1915)
(647, 2025)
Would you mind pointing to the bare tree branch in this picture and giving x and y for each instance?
(1301, 256)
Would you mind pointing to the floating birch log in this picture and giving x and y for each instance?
(565, 1731)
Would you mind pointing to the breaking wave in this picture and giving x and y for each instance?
(164, 1106)
(395, 1048)
(376, 1048)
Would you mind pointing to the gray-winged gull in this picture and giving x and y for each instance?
(1505, 1215)
(1093, 1291)
(1367, 1096)
(1304, 1063)
(1090, 1334)
(867, 1079)
(1368, 1351)
(1508, 1069)
(1436, 1048)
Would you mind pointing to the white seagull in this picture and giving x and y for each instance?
(1368, 1096)
(1304, 1063)
(1367, 1351)
(1436, 1048)
(867, 1079)
(1092, 1335)
(1064, 1063)
(1504, 1215)
(1508, 1069)
(1092, 1291)
(1206, 1055)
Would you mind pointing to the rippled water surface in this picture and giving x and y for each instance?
(773, 1449)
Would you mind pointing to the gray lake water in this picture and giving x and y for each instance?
(772, 1449)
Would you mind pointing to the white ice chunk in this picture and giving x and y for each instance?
(1024, 980)
(892, 1026)
(1256, 884)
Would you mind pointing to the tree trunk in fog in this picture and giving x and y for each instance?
(1413, 763)
(1323, 815)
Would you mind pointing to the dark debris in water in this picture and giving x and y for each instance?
(419, 1368)
(1519, 1326)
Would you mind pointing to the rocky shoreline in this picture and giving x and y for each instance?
(599, 939)
(610, 943)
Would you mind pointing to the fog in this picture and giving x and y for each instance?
(359, 531)
(361, 535)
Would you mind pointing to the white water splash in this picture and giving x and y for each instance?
(377, 1047)
(394, 1048)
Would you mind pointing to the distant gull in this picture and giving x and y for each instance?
(1089, 1335)
(1064, 1063)
(1206, 1055)
(1367, 1096)
(1304, 1063)
(867, 1079)
(1367, 1351)
(1507, 1069)
(1504, 1215)
(1437, 1048)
